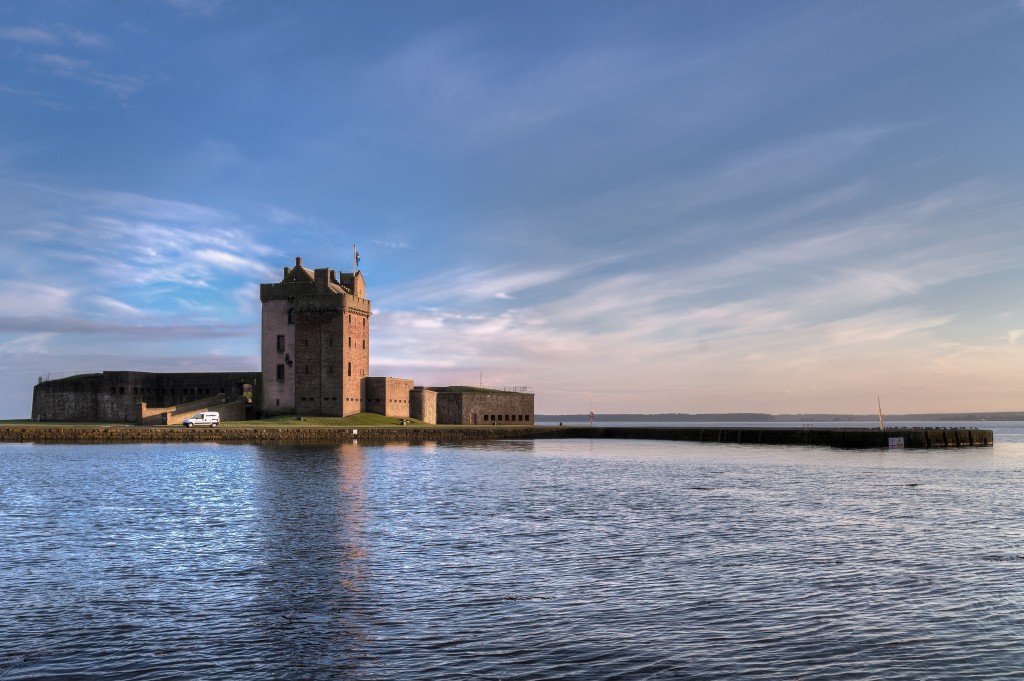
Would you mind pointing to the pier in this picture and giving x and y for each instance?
(840, 438)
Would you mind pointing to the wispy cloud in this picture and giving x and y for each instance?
(84, 38)
(121, 85)
(58, 35)
(201, 7)
(24, 299)
(116, 307)
(153, 331)
(390, 243)
(131, 243)
(34, 95)
(28, 35)
(283, 216)
(33, 343)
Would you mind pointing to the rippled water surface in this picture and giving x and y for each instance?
(519, 560)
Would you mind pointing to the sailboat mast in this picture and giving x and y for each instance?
(881, 422)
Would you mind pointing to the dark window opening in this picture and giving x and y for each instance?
(364, 344)
(280, 343)
(350, 368)
(280, 372)
(291, 316)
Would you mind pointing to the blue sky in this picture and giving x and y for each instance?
(648, 206)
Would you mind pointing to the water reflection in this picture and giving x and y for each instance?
(312, 505)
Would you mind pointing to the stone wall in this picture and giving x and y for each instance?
(854, 438)
(170, 416)
(423, 405)
(388, 396)
(278, 358)
(114, 396)
(475, 407)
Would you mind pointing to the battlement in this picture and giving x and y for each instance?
(300, 281)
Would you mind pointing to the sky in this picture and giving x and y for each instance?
(688, 206)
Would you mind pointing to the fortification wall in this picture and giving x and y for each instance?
(388, 396)
(917, 438)
(171, 416)
(278, 358)
(484, 407)
(115, 396)
(423, 405)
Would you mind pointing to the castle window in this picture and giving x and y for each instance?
(350, 368)
(350, 341)
(113, 390)
(122, 389)
(280, 343)
(291, 316)
(364, 344)
(305, 370)
(330, 371)
(278, 402)
(280, 372)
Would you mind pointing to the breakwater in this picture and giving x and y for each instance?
(842, 438)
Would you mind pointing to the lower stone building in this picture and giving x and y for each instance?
(471, 406)
(387, 396)
(117, 396)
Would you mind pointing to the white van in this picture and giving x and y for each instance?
(203, 418)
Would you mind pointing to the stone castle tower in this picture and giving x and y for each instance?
(316, 342)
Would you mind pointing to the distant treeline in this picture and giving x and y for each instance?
(977, 416)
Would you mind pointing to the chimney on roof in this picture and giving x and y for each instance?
(320, 279)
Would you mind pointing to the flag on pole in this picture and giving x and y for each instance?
(355, 258)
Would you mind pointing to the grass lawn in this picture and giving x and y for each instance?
(356, 421)
(364, 420)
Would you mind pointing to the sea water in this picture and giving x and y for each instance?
(538, 559)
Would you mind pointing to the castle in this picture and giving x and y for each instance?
(315, 361)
